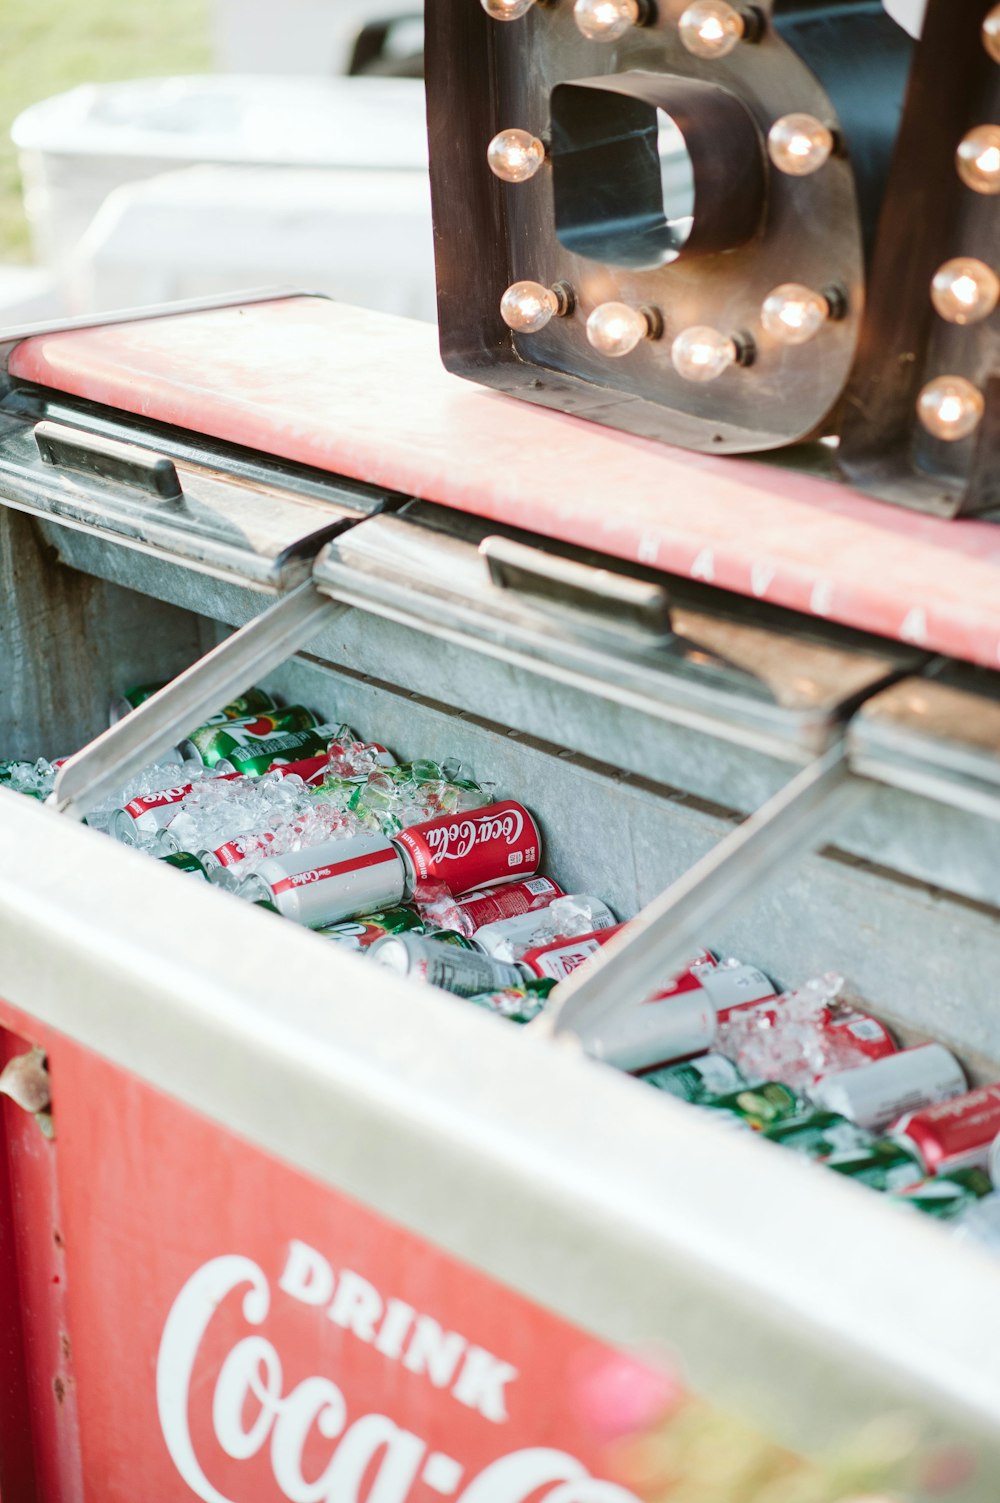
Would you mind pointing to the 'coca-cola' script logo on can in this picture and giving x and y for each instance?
(480, 847)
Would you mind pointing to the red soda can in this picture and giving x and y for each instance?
(956, 1134)
(563, 956)
(858, 1033)
(493, 904)
(477, 848)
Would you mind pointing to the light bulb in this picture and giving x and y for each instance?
(515, 155)
(702, 353)
(965, 291)
(978, 159)
(711, 28)
(991, 33)
(950, 407)
(604, 20)
(506, 10)
(799, 144)
(793, 314)
(527, 307)
(615, 329)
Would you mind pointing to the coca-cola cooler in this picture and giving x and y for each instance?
(294, 1227)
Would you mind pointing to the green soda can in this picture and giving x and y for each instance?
(946, 1196)
(184, 861)
(881, 1165)
(359, 934)
(760, 1107)
(701, 1081)
(254, 702)
(819, 1134)
(243, 743)
(518, 1004)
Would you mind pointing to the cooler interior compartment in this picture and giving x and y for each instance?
(803, 1303)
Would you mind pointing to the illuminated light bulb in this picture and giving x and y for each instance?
(965, 291)
(604, 20)
(799, 144)
(991, 33)
(506, 10)
(711, 28)
(950, 408)
(794, 314)
(515, 155)
(978, 159)
(615, 329)
(527, 307)
(703, 354)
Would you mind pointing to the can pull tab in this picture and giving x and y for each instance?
(67, 448)
(604, 596)
(25, 1079)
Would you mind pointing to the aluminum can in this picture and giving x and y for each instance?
(510, 938)
(491, 905)
(881, 1165)
(821, 1135)
(700, 1081)
(185, 862)
(858, 1032)
(465, 973)
(658, 1032)
(760, 1107)
(518, 1004)
(472, 849)
(329, 882)
(253, 702)
(145, 816)
(736, 989)
(946, 1197)
(361, 934)
(217, 743)
(561, 957)
(876, 1095)
(955, 1134)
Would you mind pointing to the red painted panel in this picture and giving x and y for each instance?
(39, 1442)
(365, 395)
(240, 1326)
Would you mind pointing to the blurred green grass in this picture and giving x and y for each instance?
(48, 46)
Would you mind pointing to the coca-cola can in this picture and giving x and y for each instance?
(465, 973)
(877, 1094)
(475, 848)
(494, 904)
(561, 957)
(325, 883)
(955, 1134)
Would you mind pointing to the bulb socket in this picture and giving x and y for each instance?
(746, 348)
(836, 301)
(655, 325)
(754, 23)
(566, 298)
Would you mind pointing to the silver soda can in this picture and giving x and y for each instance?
(657, 1032)
(325, 883)
(465, 973)
(144, 816)
(509, 938)
(875, 1095)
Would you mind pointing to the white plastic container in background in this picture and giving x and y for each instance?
(76, 148)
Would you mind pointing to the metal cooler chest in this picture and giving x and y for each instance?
(306, 1231)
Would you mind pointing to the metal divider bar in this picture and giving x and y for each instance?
(661, 939)
(252, 651)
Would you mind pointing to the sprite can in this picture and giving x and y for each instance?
(946, 1196)
(211, 744)
(882, 1165)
